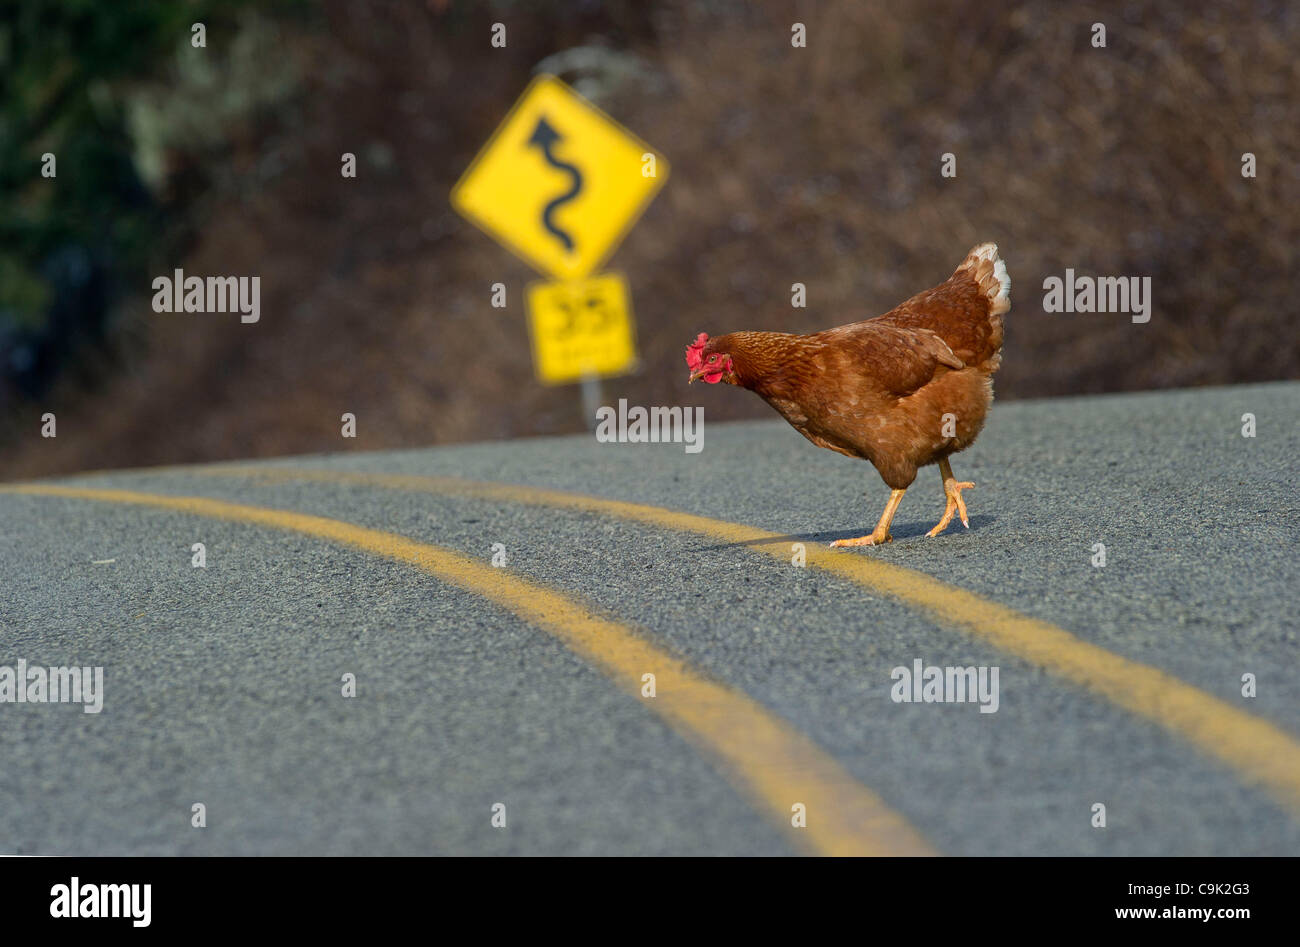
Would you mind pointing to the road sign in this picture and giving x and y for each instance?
(581, 329)
(560, 182)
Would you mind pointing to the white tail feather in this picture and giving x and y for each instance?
(990, 273)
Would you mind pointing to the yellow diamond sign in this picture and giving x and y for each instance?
(581, 329)
(560, 182)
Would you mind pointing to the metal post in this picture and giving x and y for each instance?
(591, 398)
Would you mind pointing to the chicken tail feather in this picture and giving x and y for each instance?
(990, 274)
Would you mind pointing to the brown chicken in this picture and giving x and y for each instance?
(903, 390)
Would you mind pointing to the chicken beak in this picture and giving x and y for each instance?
(698, 373)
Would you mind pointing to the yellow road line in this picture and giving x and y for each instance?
(772, 762)
(1262, 753)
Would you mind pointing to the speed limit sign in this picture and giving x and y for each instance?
(581, 329)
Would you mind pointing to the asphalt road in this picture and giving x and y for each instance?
(1119, 685)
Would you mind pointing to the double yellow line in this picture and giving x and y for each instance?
(1263, 754)
(777, 766)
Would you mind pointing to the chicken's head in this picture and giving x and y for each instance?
(705, 362)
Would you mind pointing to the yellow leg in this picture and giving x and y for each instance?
(881, 533)
(952, 489)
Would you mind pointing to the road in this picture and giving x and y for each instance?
(522, 684)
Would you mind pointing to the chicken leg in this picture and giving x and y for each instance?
(952, 489)
(881, 533)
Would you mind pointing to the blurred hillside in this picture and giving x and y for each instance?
(816, 165)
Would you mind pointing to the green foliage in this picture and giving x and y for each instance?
(67, 68)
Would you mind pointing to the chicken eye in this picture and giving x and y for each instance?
(713, 358)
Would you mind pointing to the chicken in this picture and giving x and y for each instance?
(903, 390)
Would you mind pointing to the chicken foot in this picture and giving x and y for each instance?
(881, 533)
(952, 489)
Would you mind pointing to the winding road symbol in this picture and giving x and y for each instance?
(544, 136)
(559, 183)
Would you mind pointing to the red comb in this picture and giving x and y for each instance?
(695, 352)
